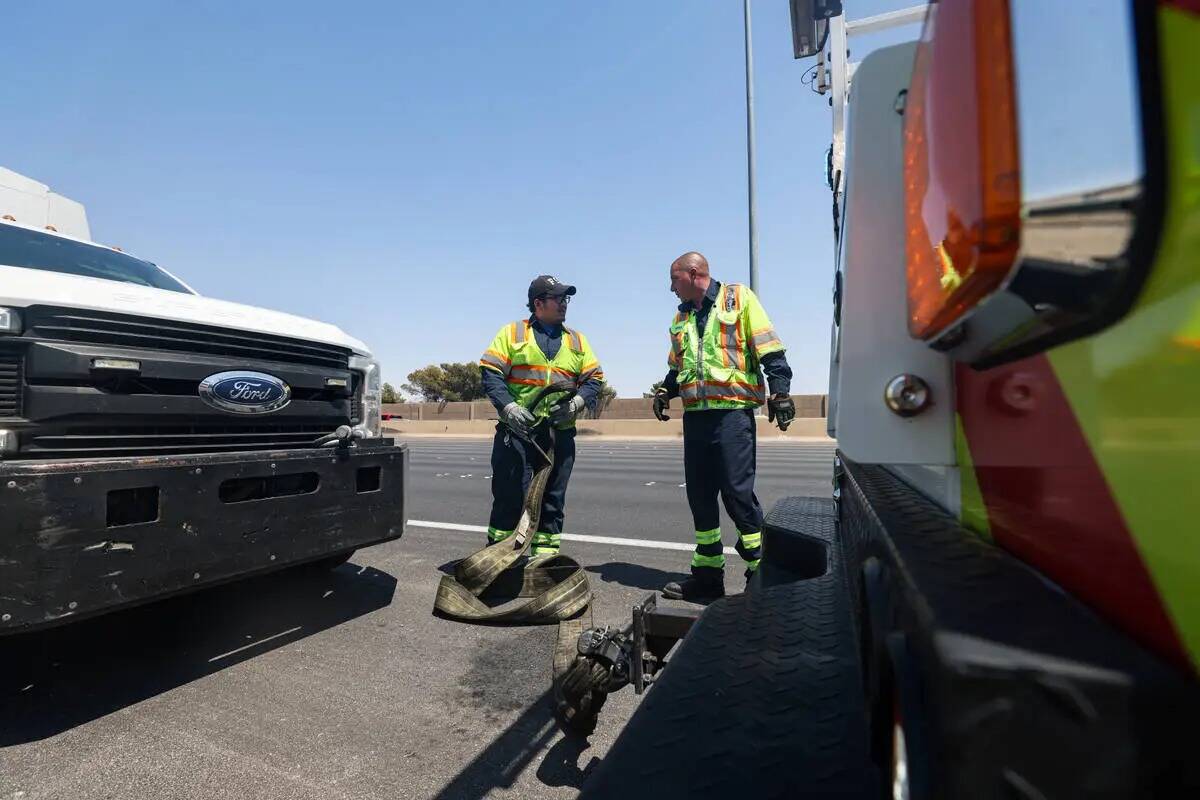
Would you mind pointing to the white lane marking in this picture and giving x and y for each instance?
(254, 644)
(570, 537)
(651, 483)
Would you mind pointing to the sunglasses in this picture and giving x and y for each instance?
(563, 299)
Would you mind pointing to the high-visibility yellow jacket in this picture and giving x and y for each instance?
(721, 368)
(516, 356)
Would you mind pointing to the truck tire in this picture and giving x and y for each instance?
(581, 694)
(763, 699)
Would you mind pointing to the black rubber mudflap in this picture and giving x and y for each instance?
(763, 698)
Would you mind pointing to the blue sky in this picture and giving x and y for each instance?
(404, 169)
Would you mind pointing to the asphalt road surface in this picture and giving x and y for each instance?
(306, 684)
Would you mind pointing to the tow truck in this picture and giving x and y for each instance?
(1000, 598)
(153, 441)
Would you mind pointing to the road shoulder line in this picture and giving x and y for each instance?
(570, 537)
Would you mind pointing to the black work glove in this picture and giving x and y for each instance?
(781, 410)
(662, 401)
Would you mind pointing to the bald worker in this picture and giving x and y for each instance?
(721, 343)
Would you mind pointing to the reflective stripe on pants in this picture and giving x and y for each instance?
(511, 472)
(709, 553)
(497, 535)
(544, 543)
(719, 460)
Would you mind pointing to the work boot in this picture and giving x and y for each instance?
(696, 589)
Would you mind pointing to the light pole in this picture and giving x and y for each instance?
(750, 150)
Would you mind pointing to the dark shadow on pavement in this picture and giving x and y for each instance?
(635, 576)
(54, 680)
(503, 761)
(561, 767)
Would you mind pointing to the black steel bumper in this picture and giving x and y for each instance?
(1006, 686)
(82, 537)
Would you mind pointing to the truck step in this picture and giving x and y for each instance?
(764, 697)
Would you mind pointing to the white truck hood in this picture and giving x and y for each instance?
(21, 287)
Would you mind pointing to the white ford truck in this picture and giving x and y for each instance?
(153, 441)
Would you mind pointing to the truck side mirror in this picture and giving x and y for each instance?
(810, 24)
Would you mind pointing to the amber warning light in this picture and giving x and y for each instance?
(961, 173)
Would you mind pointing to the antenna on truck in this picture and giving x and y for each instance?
(820, 27)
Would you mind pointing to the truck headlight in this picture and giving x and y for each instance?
(10, 321)
(370, 395)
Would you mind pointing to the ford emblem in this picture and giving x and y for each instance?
(242, 392)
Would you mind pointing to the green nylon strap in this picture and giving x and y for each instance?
(557, 584)
(751, 566)
(751, 540)
(708, 537)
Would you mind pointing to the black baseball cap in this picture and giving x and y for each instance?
(544, 285)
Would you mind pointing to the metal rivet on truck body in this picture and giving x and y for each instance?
(907, 395)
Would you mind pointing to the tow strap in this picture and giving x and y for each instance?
(557, 585)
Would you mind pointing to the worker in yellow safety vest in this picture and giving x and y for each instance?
(721, 342)
(524, 357)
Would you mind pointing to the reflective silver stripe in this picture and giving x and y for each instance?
(730, 344)
(559, 373)
(734, 392)
(529, 372)
(519, 337)
(491, 359)
(761, 340)
(690, 392)
(731, 297)
(576, 342)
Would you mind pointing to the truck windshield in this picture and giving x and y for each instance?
(20, 247)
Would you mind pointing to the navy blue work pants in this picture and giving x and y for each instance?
(513, 461)
(719, 457)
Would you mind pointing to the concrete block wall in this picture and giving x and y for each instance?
(808, 406)
(480, 409)
(808, 428)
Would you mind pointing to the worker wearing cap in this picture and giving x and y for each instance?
(721, 341)
(526, 356)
